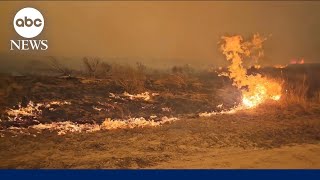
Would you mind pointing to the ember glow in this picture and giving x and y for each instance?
(297, 61)
(279, 66)
(33, 111)
(255, 88)
(66, 127)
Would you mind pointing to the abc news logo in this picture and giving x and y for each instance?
(28, 23)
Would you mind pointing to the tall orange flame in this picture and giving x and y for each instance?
(255, 89)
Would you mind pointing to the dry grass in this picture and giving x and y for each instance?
(171, 82)
(296, 94)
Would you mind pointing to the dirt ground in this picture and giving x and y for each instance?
(241, 140)
(304, 156)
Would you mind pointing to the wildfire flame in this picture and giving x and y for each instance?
(279, 66)
(295, 61)
(256, 88)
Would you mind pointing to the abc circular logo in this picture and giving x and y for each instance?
(28, 22)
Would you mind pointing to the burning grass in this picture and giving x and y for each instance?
(134, 123)
(65, 127)
(117, 97)
(255, 88)
(31, 111)
(146, 96)
(91, 111)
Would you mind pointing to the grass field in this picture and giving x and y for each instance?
(283, 134)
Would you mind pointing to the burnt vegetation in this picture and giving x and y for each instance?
(96, 90)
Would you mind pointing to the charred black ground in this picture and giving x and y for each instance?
(183, 91)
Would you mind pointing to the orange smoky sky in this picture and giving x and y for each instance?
(185, 32)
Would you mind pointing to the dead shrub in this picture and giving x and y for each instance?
(57, 67)
(128, 78)
(104, 70)
(91, 66)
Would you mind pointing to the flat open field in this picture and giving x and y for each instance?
(284, 134)
(159, 85)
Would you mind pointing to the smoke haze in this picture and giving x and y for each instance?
(160, 33)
